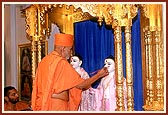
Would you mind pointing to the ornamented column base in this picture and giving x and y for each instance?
(155, 106)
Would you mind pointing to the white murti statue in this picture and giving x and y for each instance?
(86, 100)
(105, 93)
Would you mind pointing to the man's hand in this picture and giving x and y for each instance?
(103, 72)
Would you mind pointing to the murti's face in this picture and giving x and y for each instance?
(109, 63)
(75, 62)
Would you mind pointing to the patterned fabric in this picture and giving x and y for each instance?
(86, 100)
(105, 94)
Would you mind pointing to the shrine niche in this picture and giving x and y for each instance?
(39, 18)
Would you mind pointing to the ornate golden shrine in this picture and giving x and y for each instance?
(38, 26)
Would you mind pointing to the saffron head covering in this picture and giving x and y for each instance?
(63, 39)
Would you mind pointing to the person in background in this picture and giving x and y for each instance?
(57, 86)
(86, 100)
(105, 93)
(11, 100)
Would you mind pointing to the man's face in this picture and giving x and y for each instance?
(109, 63)
(75, 62)
(67, 51)
(13, 96)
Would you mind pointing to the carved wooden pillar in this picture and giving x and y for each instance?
(119, 68)
(149, 68)
(33, 58)
(159, 77)
(132, 11)
(31, 21)
(39, 50)
(129, 70)
(153, 54)
(37, 28)
(124, 19)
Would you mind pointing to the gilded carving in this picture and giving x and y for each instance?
(33, 59)
(154, 100)
(39, 50)
(31, 21)
(145, 10)
(80, 16)
(119, 68)
(129, 70)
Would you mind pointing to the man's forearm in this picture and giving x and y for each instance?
(87, 82)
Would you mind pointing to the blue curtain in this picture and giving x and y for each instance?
(94, 43)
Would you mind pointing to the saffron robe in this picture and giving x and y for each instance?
(19, 106)
(54, 75)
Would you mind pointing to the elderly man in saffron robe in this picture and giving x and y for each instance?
(57, 86)
(105, 93)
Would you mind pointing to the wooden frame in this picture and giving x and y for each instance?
(25, 80)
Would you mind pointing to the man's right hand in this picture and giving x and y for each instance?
(103, 72)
